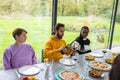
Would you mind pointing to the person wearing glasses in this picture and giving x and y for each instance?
(82, 43)
(20, 53)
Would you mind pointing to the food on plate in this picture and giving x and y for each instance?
(70, 75)
(32, 78)
(99, 65)
(24, 78)
(95, 73)
(89, 57)
(28, 78)
(109, 60)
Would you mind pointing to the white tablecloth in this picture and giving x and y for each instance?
(80, 66)
(12, 75)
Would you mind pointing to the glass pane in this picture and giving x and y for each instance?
(116, 35)
(95, 14)
(32, 15)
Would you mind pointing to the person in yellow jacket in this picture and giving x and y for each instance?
(56, 47)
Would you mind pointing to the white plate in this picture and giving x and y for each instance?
(28, 70)
(97, 54)
(68, 62)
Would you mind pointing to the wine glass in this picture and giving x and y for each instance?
(74, 58)
(75, 55)
(104, 52)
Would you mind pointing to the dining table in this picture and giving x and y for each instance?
(81, 66)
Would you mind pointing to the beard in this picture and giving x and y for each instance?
(59, 36)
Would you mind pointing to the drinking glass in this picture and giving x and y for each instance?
(49, 71)
(104, 52)
(75, 55)
(87, 70)
(49, 62)
(74, 58)
(113, 55)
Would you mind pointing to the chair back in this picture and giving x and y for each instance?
(42, 55)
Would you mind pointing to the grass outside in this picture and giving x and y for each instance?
(39, 30)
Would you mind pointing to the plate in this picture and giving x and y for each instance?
(97, 54)
(28, 70)
(96, 73)
(100, 65)
(68, 62)
(61, 70)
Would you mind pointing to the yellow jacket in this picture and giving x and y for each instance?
(52, 46)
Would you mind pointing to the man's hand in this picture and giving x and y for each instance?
(63, 49)
(73, 49)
